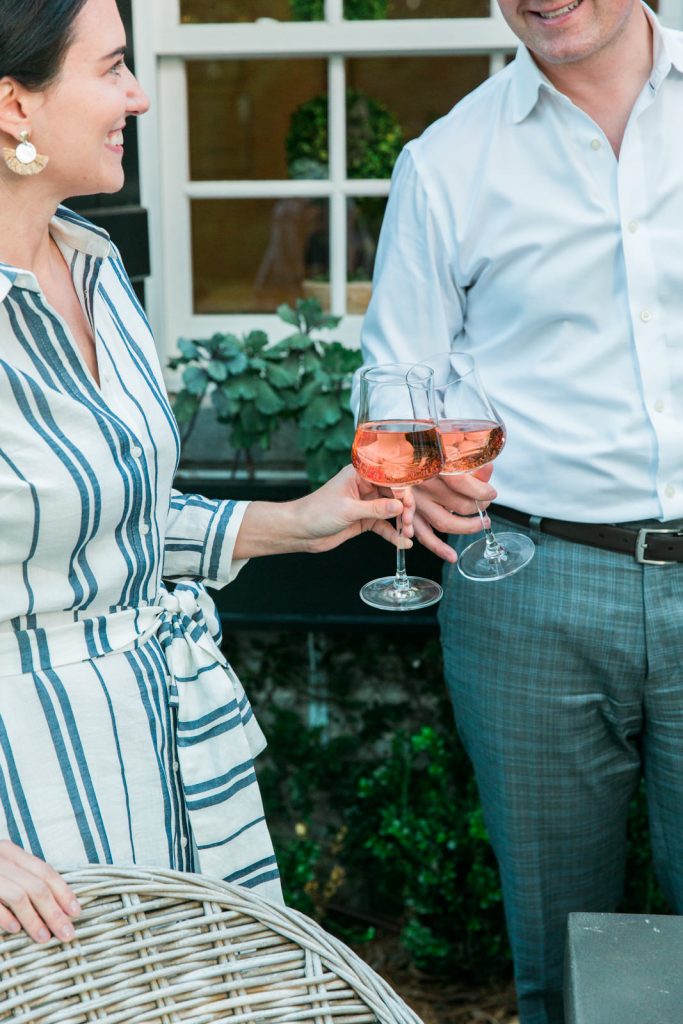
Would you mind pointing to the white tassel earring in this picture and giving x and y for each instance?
(25, 159)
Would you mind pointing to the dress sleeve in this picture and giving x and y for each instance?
(200, 539)
(417, 307)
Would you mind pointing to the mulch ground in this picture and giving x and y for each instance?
(435, 1000)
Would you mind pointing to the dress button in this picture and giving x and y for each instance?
(596, 144)
(646, 316)
(633, 226)
(183, 842)
(176, 766)
(136, 451)
(144, 529)
(669, 490)
(659, 405)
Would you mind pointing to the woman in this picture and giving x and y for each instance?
(124, 736)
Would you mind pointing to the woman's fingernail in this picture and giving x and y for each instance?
(74, 907)
(14, 927)
(43, 935)
(67, 933)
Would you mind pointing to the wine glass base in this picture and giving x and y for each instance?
(383, 593)
(473, 564)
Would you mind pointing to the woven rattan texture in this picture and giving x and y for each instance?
(160, 947)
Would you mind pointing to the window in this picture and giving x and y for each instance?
(265, 162)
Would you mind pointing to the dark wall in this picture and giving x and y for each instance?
(121, 214)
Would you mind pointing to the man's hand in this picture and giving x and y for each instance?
(34, 897)
(447, 504)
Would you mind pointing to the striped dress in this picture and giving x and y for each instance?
(124, 735)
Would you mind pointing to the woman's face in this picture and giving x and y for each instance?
(80, 118)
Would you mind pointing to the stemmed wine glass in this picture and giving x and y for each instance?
(396, 445)
(472, 435)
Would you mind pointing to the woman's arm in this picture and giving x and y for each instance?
(342, 508)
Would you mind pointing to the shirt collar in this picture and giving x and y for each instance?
(528, 79)
(71, 232)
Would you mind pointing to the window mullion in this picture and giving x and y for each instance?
(336, 128)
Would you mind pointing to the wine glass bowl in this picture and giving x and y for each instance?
(396, 445)
(473, 435)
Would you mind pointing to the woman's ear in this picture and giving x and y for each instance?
(14, 112)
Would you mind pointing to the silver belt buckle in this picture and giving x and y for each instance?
(641, 545)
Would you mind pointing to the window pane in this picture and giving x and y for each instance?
(414, 91)
(220, 11)
(370, 9)
(240, 113)
(249, 255)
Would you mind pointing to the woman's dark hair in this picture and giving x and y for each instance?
(34, 38)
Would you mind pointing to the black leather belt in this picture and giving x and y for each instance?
(649, 546)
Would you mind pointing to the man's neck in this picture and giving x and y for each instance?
(607, 84)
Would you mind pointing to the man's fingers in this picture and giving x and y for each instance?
(426, 536)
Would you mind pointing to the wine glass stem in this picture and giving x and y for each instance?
(494, 552)
(401, 582)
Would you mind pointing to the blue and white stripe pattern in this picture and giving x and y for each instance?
(124, 735)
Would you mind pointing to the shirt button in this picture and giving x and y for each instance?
(183, 842)
(136, 451)
(596, 144)
(669, 490)
(659, 405)
(633, 226)
(646, 316)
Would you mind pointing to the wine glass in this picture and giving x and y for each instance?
(396, 445)
(472, 435)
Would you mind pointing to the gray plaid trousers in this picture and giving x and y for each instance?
(567, 684)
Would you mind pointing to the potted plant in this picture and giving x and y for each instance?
(255, 389)
(374, 141)
(354, 10)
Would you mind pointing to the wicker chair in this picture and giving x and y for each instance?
(160, 947)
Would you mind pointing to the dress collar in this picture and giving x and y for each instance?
(528, 79)
(71, 232)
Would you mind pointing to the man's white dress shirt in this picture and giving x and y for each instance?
(513, 232)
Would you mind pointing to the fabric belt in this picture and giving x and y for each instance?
(647, 545)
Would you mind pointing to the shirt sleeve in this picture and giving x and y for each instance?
(417, 307)
(200, 539)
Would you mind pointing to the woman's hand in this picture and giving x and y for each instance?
(346, 506)
(34, 897)
(342, 508)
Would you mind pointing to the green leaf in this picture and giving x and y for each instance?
(299, 342)
(340, 437)
(282, 375)
(188, 349)
(267, 400)
(311, 438)
(241, 388)
(237, 363)
(323, 410)
(217, 370)
(256, 340)
(195, 380)
(340, 360)
(185, 406)
(228, 344)
(223, 405)
(322, 464)
(289, 315)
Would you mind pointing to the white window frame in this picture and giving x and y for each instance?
(163, 45)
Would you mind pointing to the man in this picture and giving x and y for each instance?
(538, 226)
